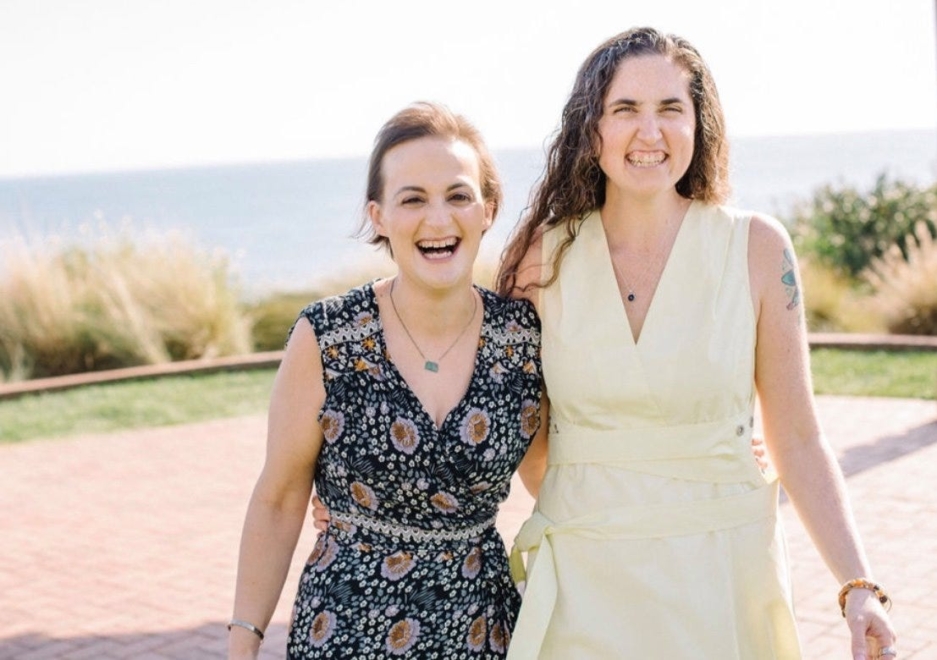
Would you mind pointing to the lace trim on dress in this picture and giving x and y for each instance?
(412, 533)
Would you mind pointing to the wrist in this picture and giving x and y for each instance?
(864, 584)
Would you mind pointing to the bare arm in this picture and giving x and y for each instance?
(530, 274)
(278, 505)
(807, 467)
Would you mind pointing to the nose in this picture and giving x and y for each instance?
(649, 128)
(437, 213)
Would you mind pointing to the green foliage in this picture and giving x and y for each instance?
(273, 317)
(846, 229)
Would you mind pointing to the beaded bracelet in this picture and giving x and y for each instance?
(862, 583)
(248, 626)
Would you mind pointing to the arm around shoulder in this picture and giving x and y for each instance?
(529, 274)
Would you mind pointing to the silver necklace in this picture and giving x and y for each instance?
(430, 365)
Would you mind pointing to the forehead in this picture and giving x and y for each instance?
(431, 158)
(649, 78)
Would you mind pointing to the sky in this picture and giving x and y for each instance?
(104, 85)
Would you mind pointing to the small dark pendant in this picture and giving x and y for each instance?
(429, 365)
(630, 297)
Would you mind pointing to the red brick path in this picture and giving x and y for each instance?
(125, 545)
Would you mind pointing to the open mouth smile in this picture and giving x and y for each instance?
(438, 249)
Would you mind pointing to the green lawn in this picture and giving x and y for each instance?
(180, 399)
(907, 374)
(134, 404)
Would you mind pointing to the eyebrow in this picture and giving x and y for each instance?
(669, 101)
(454, 186)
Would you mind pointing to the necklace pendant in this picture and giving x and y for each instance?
(630, 296)
(429, 365)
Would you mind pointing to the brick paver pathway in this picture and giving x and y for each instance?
(125, 545)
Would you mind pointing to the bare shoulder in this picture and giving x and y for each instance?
(298, 386)
(772, 264)
(767, 233)
(294, 435)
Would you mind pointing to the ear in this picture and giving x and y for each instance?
(376, 218)
(489, 216)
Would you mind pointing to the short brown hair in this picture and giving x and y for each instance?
(419, 120)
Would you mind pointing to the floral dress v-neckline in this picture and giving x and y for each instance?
(402, 381)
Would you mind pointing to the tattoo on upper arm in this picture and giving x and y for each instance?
(789, 279)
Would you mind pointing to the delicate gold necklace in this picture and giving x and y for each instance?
(430, 365)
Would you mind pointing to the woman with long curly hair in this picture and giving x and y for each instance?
(665, 314)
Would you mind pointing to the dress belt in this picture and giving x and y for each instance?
(631, 522)
(409, 533)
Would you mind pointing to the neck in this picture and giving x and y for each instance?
(642, 222)
(431, 311)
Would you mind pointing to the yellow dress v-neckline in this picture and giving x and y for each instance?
(609, 281)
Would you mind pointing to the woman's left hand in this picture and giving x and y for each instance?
(320, 514)
(759, 452)
(869, 626)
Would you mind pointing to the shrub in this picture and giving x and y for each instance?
(273, 316)
(114, 301)
(846, 229)
(905, 284)
(833, 303)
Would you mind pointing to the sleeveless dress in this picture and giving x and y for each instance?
(655, 534)
(412, 565)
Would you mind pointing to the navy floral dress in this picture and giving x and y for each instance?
(412, 565)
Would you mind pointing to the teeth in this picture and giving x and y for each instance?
(438, 248)
(646, 159)
(438, 245)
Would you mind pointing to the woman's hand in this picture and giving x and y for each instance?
(320, 514)
(759, 452)
(869, 626)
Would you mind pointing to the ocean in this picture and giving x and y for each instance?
(285, 224)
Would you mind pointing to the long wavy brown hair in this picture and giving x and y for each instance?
(573, 184)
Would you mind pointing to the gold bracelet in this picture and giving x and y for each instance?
(862, 583)
(248, 626)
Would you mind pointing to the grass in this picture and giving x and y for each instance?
(906, 374)
(114, 299)
(135, 404)
(182, 399)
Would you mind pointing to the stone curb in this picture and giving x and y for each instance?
(270, 359)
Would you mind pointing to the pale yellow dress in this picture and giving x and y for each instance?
(655, 534)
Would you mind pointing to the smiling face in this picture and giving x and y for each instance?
(647, 127)
(431, 210)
